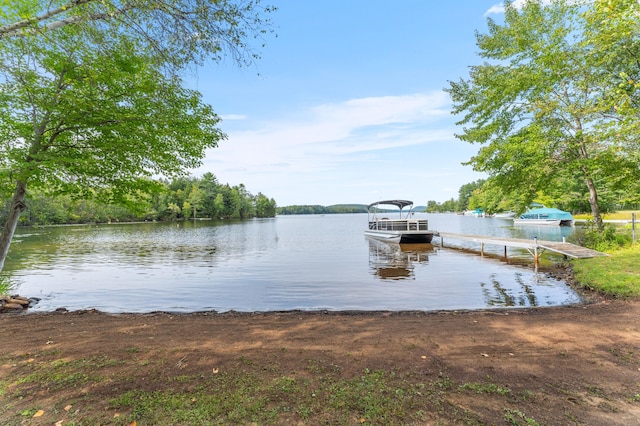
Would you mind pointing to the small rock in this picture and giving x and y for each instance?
(15, 302)
(12, 306)
(17, 296)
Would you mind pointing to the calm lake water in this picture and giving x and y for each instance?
(284, 263)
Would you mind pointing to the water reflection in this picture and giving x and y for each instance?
(522, 294)
(391, 261)
(141, 245)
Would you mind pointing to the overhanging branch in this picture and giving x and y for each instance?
(31, 25)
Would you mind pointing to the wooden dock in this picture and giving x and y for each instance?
(535, 247)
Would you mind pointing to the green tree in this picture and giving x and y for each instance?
(91, 102)
(173, 211)
(159, 202)
(209, 186)
(612, 30)
(265, 207)
(493, 199)
(450, 205)
(218, 205)
(179, 32)
(195, 198)
(187, 210)
(246, 207)
(541, 107)
(232, 201)
(466, 191)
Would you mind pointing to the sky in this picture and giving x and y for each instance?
(346, 104)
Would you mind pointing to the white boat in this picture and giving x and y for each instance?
(505, 215)
(404, 229)
(475, 213)
(545, 216)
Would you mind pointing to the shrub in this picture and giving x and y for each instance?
(610, 238)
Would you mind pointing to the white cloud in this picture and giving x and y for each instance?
(497, 9)
(233, 117)
(356, 125)
(338, 146)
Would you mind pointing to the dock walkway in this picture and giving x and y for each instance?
(535, 247)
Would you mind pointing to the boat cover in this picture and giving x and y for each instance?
(550, 213)
(398, 203)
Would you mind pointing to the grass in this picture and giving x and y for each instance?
(516, 418)
(250, 394)
(240, 396)
(617, 275)
(489, 387)
(619, 215)
(374, 397)
(6, 286)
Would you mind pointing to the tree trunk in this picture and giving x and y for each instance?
(595, 208)
(17, 207)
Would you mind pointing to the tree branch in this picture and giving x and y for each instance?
(13, 29)
(26, 25)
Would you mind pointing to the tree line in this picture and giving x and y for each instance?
(484, 194)
(317, 209)
(178, 199)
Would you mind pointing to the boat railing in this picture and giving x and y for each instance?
(536, 216)
(399, 225)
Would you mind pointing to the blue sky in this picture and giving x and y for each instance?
(346, 104)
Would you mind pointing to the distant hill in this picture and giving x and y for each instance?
(333, 209)
(347, 208)
(316, 209)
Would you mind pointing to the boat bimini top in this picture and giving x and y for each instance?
(398, 203)
(401, 204)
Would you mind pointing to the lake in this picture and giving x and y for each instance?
(307, 262)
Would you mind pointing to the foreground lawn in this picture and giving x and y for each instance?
(617, 275)
(525, 367)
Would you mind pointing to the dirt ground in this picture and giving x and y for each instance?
(580, 364)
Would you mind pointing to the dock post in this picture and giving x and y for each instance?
(505, 252)
(535, 251)
(482, 249)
